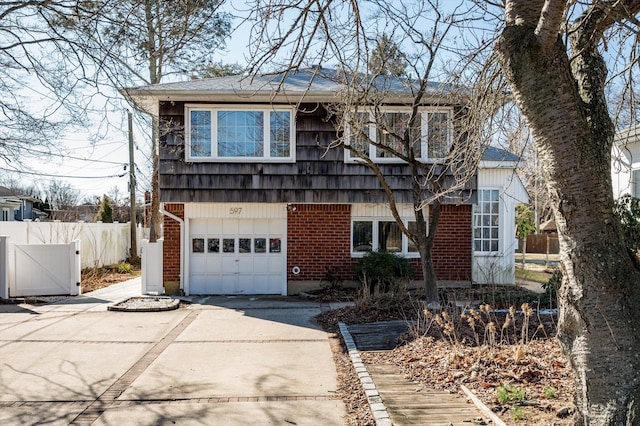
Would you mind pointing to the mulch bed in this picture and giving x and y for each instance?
(486, 358)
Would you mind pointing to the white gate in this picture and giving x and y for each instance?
(44, 269)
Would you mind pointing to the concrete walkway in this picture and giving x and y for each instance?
(224, 360)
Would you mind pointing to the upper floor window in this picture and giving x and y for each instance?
(430, 134)
(486, 221)
(239, 134)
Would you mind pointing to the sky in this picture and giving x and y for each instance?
(94, 166)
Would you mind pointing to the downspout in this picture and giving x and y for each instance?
(181, 222)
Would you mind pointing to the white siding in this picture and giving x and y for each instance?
(381, 210)
(235, 210)
(499, 268)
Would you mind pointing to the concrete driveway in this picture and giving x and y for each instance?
(222, 360)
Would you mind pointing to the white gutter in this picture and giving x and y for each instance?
(182, 248)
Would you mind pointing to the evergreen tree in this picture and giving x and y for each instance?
(105, 212)
(387, 59)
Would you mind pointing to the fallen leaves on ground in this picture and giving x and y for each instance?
(537, 367)
(97, 278)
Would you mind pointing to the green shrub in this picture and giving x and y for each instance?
(509, 394)
(628, 211)
(124, 268)
(382, 270)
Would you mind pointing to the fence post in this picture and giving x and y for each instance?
(151, 267)
(76, 268)
(4, 267)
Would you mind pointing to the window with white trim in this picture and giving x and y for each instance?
(635, 183)
(486, 221)
(430, 137)
(216, 133)
(381, 234)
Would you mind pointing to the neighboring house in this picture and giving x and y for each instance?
(254, 203)
(625, 168)
(27, 211)
(18, 207)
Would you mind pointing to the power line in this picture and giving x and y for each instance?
(78, 158)
(63, 176)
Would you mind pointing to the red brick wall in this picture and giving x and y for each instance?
(318, 239)
(452, 247)
(171, 245)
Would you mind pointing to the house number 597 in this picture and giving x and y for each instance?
(235, 210)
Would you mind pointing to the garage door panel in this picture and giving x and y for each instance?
(198, 264)
(198, 226)
(261, 265)
(229, 227)
(246, 227)
(214, 227)
(276, 226)
(214, 264)
(198, 282)
(276, 265)
(225, 286)
(261, 226)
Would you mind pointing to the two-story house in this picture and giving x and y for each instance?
(255, 203)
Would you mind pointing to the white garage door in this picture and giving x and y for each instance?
(236, 256)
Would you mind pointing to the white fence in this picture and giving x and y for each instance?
(39, 269)
(101, 243)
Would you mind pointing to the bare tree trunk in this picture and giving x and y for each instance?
(600, 293)
(425, 247)
(156, 231)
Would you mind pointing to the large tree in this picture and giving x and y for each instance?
(34, 84)
(557, 73)
(138, 42)
(556, 56)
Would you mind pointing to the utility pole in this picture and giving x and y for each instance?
(132, 192)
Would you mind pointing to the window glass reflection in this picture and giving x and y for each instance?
(197, 245)
(228, 245)
(213, 245)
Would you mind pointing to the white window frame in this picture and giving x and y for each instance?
(424, 125)
(635, 182)
(375, 220)
(266, 110)
(477, 212)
